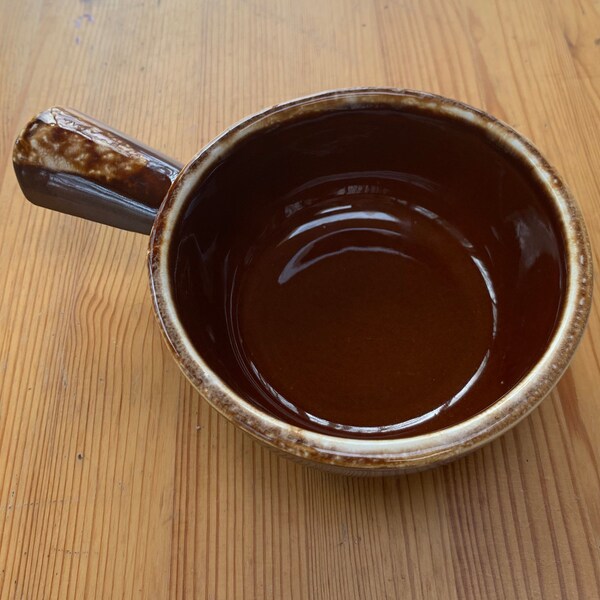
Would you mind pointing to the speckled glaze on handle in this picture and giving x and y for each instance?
(71, 163)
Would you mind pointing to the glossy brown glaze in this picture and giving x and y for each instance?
(71, 163)
(369, 273)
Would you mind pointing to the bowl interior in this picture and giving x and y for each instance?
(369, 271)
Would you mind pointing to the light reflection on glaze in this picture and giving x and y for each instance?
(432, 414)
(346, 219)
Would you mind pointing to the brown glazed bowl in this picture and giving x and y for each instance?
(71, 163)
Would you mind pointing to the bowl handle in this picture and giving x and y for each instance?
(69, 162)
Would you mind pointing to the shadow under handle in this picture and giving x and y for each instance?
(71, 163)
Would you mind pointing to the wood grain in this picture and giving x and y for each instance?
(116, 479)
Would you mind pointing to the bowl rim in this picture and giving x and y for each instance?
(379, 455)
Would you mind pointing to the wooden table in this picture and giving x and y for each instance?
(116, 478)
